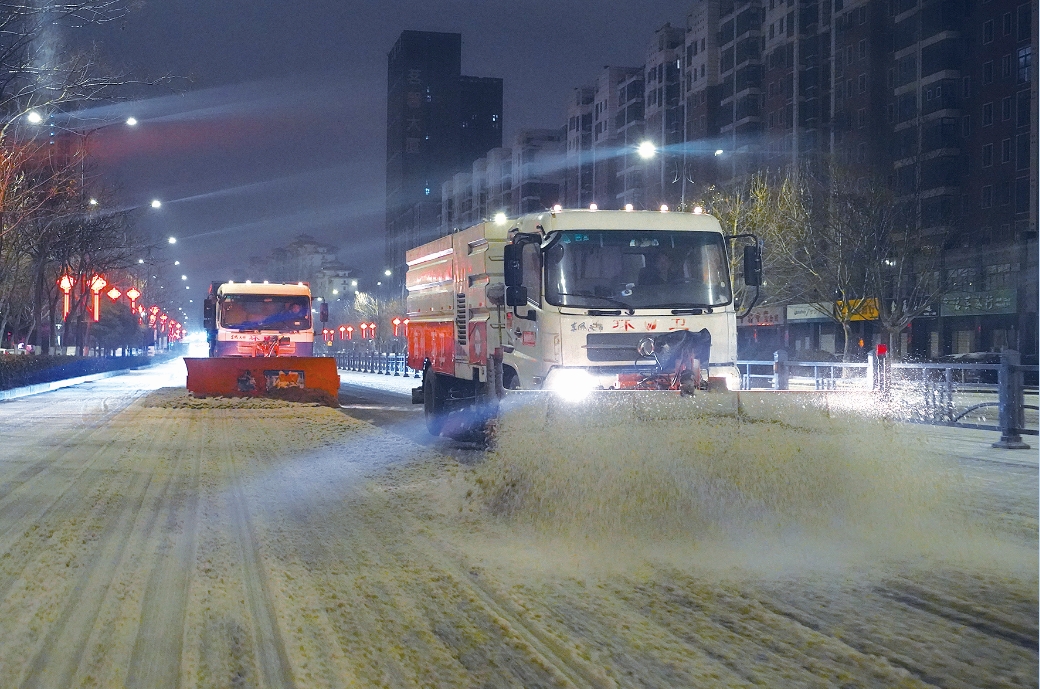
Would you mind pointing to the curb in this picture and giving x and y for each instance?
(27, 390)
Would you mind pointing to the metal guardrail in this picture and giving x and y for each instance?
(920, 392)
(385, 363)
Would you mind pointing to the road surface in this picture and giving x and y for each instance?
(148, 540)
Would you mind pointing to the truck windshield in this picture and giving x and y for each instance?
(265, 312)
(637, 269)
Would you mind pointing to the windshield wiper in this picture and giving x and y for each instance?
(609, 300)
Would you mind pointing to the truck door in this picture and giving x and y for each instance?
(523, 330)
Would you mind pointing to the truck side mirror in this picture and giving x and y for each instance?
(512, 256)
(323, 314)
(516, 295)
(752, 265)
(209, 314)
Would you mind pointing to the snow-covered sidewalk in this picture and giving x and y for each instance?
(378, 381)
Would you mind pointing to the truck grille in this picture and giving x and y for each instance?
(613, 346)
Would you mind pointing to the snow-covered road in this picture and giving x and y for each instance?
(149, 540)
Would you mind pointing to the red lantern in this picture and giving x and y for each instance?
(97, 283)
(397, 325)
(66, 283)
(342, 332)
(114, 294)
(350, 332)
(132, 294)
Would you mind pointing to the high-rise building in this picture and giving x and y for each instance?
(663, 119)
(438, 122)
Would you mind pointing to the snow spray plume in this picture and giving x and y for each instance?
(720, 469)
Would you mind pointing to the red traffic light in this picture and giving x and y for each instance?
(882, 350)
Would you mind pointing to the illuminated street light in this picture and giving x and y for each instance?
(34, 117)
(140, 260)
(647, 150)
(131, 121)
(184, 277)
(719, 151)
(172, 240)
(93, 202)
(176, 263)
(388, 272)
(156, 203)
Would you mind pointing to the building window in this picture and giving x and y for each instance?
(1023, 109)
(862, 83)
(863, 49)
(1007, 23)
(997, 276)
(1025, 57)
(850, 55)
(861, 118)
(966, 86)
(987, 31)
(1025, 21)
(987, 72)
(1005, 108)
(1005, 67)
(1022, 152)
(966, 125)
(1005, 151)
(987, 155)
(1005, 193)
(891, 112)
(987, 114)
(1022, 195)
(987, 196)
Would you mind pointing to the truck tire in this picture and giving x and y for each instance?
(433, 402)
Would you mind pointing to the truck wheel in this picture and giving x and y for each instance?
(433, 402)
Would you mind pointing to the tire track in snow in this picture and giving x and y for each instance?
(128, 528)
(270, 651)
(156, 657)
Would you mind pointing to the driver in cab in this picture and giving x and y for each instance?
(658, 272)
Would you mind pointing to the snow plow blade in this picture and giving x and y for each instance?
(617, 408)
(257, 376)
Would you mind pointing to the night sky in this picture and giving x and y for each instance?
(275, 123)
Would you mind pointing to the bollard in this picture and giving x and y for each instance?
(780, 370)
(1012, 409)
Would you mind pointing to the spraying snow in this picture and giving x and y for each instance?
(632, 479)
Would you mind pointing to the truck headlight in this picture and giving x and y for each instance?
(572, 384)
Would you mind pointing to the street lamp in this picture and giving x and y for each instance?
(172, 240)
(647, 150)
(156, 203)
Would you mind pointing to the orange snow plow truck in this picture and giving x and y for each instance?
(572, 301)
(261, 341)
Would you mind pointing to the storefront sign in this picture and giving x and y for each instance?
(807, 313)
(996, 301)
(764, 315)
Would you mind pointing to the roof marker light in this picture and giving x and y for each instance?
(557, 208)
(593, 207)
(629, 207)
(664, 208)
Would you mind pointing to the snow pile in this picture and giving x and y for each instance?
(703, 480)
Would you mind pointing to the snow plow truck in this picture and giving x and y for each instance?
(261, 339)
(572, 301)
